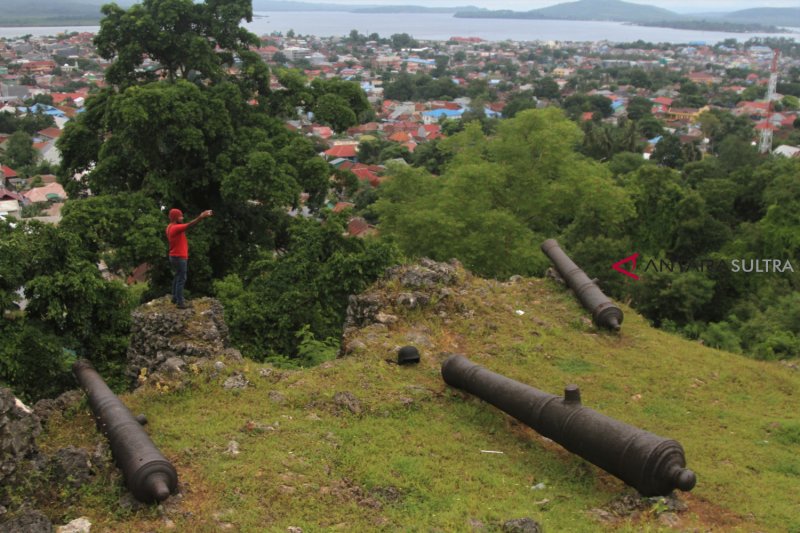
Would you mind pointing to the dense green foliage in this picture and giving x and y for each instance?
(304, 288)
(499, 196)
(421, 87)
(195, 127)
(70, 309)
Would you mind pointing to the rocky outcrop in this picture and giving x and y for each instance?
(71, 466)
(164, 339)
(422, 281)
(426, 274)
(403, 288)
(28, 522)
(46, 407)
(19, 427)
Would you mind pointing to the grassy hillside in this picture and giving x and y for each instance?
(409, 455)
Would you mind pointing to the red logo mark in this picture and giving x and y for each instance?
(631, 259)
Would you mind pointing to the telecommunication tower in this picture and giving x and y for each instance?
(766, 127)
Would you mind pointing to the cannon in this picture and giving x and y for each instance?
(604, 313)
(148, 474)
(653, 465)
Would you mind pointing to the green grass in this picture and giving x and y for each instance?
(413, 459)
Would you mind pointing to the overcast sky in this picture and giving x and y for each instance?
(681, 6)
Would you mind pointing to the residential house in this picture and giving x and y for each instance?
(46, 193)
(685, 113)
(434, 115)
(359, 227)
(786, 150)
(705, 78)
(9, 207)
(346, 151)
(8, 173)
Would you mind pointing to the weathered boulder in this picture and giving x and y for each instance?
(424, 279)
(522, 525)
(28, 522)
(71, 466)
(426, 274)
(79, 525)
(362, 310)
(165, 338)
(46, 407)
(19, 427)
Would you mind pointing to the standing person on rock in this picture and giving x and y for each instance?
(179, 251)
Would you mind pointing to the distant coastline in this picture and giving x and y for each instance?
(441, 27)
(49, 23)
(713, 25)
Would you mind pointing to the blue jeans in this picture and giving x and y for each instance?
(179, 266)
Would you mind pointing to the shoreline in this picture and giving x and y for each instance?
(50, 23)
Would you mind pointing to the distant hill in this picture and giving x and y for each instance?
(77, 12)
(615, 10)
(779, 16)
(748, 20)
(413, 9)
(53, 12)
(284, 5)
(606, 10)
(281, 5)
(22, 12)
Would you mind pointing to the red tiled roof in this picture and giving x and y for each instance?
(52, 133)
(322, 131)
(400, 136)
(755, 105)
(366, 174)
(342, 150)
(341, 206)
(61, 97)
(5, 193)
(357, 226)
(8, 172)
(39, 194)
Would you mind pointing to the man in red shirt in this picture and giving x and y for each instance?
(179, 251)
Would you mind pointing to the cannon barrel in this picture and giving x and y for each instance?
(604, 313)
(148, 474)
(651, 464)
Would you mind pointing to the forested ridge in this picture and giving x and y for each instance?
(203, 130)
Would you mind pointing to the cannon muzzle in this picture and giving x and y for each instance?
(148, 474)
(604, 313)
(653, 465)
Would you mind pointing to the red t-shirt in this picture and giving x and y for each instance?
(178, 246)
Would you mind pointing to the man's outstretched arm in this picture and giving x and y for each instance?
(205, 214)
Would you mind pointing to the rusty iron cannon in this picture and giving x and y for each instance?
(653, 465)
(604, 313)
(148, 474)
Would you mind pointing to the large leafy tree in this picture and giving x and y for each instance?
(189, 121)
(177, 39)
(192, 129)
(71, 310)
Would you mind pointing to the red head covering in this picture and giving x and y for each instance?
(175, 215)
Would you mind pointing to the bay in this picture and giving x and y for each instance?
(442, 26)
